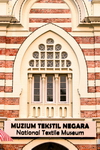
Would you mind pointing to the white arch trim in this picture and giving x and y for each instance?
(68, 38)
(22, 7)
(62, 142)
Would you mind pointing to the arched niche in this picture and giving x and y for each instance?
(22, 7)
(64, 143)
(79, 71)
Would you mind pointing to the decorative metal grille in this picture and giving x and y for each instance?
(49, 55)
(58, 47)
(49, 63)
(57, 55)
(57, 63)
(42, 63)
(42, 47)
(37, 63)
(68, 63)
(36, 55)
(31, 63)
(49, 47)
(42, 55)
(64, 55)
(50, 41)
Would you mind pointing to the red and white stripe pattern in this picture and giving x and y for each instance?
(50, 11)
(4, 136)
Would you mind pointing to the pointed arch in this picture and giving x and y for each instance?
(62, 142)
(68, 38)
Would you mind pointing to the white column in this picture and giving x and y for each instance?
(70, 94)
(43, 95)
(30, 96)
(56, 94)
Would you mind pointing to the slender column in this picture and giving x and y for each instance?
(70, 94)
(43, 95)
(56, 93)
(30, 95)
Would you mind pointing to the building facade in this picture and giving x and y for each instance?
(50, 74)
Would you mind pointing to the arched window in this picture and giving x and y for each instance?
(50, 81)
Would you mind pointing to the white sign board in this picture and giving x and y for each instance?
(50, 129)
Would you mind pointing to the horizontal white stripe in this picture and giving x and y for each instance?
(18, 34)
(92, 58)
(3, 33)
(9, 70)
(82, 34)
(13, 45)
(6, 83)
(87, 46)
(9, 107)
(2, 82)
(97, 45)
(2, 45)
(58, 24)
(50, 16)
(97, 82)
(50, 6)
(91, 70)
(90, 107)
(3, 57)
(91, 83)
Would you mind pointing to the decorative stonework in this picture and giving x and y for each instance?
(50, 55)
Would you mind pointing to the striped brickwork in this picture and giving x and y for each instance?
(41, 13)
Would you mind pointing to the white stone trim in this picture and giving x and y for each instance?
(50, 6)
(42, 24)
(9, 107)
(49, 15)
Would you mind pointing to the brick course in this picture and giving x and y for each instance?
(12, 146)
(9, 113)
(50, 11)
(86, 147)
(90, 113)
(49, 20)
(9, 101)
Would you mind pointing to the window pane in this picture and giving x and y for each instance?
(50, 88)
(36, 98)
(62, 98)
(49, 85)
(36, 87)
(50, 98)
(62, 85)
(62, 88)
(63, 91)
(36, 91)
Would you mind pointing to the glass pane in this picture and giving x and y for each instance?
(36, 98)
(49, 85)
(37, 78)
(62, 85)
(49, 91)
(36, 91)
(62, 98)
(49, 78)
(50, 98)
(50, 88)
(63, 78)
(63, 91)
(37, 85)
(63, 88)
